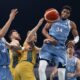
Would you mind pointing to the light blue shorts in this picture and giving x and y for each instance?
(53, 53)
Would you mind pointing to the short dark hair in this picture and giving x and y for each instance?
(10, 33)
(67, 7)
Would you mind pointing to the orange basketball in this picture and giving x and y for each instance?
(51, 15)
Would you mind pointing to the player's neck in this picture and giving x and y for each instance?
(63, 19)
(70, 55)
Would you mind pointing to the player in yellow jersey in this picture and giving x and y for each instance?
(24, 69)
(15, 49)
(14, 54)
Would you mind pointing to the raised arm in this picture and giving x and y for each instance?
(5, 28)
(34, 30)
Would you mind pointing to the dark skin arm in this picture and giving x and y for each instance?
(46, 34)
(46, 29)
(74, 32)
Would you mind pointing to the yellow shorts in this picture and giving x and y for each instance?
(24, 71)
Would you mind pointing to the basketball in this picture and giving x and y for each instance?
(51, 15)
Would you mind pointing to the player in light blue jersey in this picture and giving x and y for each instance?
(54, 49)
(4, 55)
(73, 64)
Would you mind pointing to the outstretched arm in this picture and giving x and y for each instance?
(8, 23)
(34, 30)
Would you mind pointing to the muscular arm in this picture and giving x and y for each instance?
(74, 33)
(46, 29)
(8, 23)
(74, 30)
(5, 28)
(46, 34)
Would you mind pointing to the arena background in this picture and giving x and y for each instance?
(30, 11)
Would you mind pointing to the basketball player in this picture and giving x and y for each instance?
(14, 53)
(24, 69)
(4, 56)
(73, 64)
(54, 47)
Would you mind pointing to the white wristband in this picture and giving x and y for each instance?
(76, 39)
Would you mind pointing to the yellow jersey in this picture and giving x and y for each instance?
(29, 55)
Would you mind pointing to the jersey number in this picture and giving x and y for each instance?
(59, 29)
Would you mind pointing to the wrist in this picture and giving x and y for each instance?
(76, 39)
(10, 19)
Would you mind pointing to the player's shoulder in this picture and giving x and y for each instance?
(72, 24)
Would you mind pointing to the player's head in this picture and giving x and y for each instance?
(14, 35)
(65, 13)
(33, 37)
(70, 49)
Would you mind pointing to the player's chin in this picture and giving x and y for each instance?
(18, 38)
(64, 17)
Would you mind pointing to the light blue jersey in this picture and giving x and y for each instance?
(4, 55)
(71, 66)
(59, 30)
(5, 73)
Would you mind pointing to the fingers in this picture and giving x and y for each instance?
(14, 11)
(13, 14)
(46, 41)
(42, 19)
